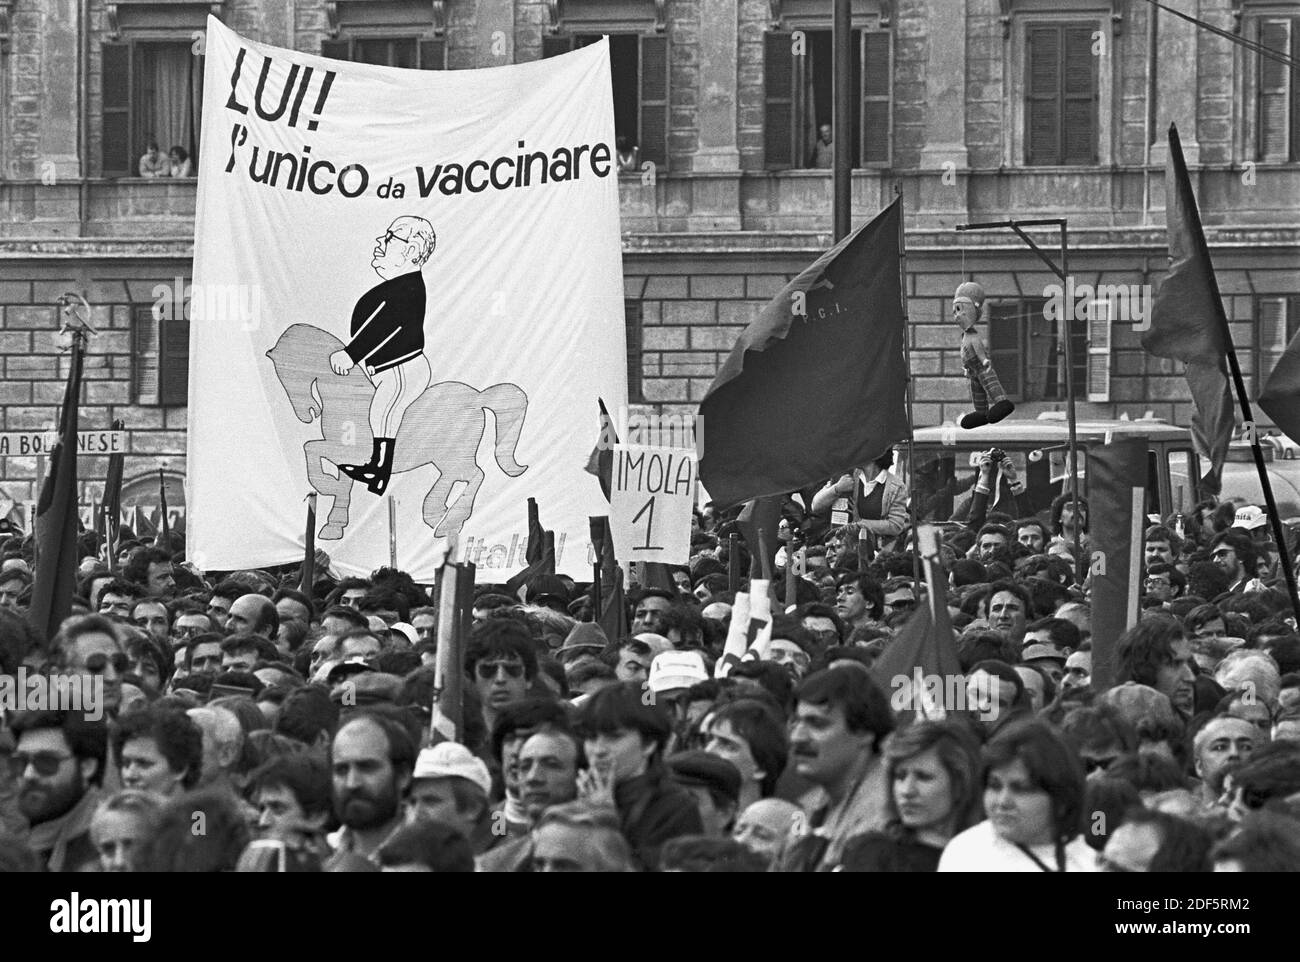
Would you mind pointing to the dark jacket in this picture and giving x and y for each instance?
(653, 809)
(388, 323)
(64, 844)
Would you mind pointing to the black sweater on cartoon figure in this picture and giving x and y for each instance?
(388, 323)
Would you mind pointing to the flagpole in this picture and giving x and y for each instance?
(841, 122)
(907, 361)
(1243, 401)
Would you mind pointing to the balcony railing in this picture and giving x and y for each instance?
(761, 203)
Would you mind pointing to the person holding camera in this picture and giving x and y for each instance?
(871, 502)
(995, 467)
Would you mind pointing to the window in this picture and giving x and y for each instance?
(799, 83)
(152, 91)
(160, 348)
(1277, 109)
(639, 69)
(1061, 94)
(1275, 323)
(632, 319)
(1027, 352)
(1183, 479)
(410, 52)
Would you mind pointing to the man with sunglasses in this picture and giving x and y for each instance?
(189, 625)
(1236, 554)
(92, 645)
(899, 595)
(387, 340)
(501, 660)
(57, 766)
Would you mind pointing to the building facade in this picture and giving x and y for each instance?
(976, 110)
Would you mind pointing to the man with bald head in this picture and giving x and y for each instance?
(254, 615)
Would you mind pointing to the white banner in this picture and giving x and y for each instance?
(650, 504)
(407, 287)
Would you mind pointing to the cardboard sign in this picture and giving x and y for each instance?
(650, 503)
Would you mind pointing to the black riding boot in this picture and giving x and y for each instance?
(374, 474)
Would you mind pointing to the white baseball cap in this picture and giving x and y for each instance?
(1250, 517)
(452, 760)
(676, 669)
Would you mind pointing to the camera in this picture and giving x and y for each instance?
(996, 455)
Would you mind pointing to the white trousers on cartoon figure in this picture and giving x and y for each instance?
(396, 389)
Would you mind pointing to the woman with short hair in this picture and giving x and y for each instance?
(1033, 797)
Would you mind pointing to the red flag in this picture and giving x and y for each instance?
(536, 536)
(55, 581)
(920, 669)
(601, 462)
(308, 580)
(1187, 319)
(839, 326)
(1280, 399)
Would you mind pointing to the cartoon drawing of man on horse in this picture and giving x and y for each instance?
(387, 340)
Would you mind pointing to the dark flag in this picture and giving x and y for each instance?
(1118, 481)
(816, 385)
(922, 660)
(656, 574)
(1280, 398)
(55, 581)
(111, 508)
(761, 514)
(601, 462)
(612, 616)
(164, 539)
(1187, 321)
(536, 536)
(540, 553)
(309, 553)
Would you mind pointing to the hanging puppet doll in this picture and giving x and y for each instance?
(991, 403)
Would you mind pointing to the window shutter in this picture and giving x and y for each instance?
(1272, 338)
(554, 46)
(876, 74)
(1295, 92)
(632, 317)
(1005, 345)
(1042, 107)
(174, 362)
(433, 54)
(336, 49)
(116, 159)
(1079, 98)
(778, 103)
(1100, 324)
(1273, 107)
(144, 354)
(654, 101)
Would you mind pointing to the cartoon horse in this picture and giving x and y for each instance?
(443, 427)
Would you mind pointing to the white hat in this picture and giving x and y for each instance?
(408, 631)
(452, 760)
(676, 669)
(1249, 518)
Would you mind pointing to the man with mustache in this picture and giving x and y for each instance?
(841, 719)
(371, 761)
(57, 763)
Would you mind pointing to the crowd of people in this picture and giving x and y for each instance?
(298, 723)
